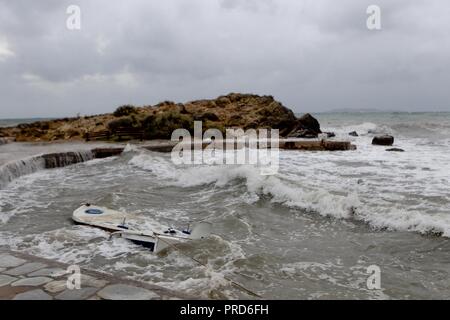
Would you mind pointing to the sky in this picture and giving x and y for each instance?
(312, 55)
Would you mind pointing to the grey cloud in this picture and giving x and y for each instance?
(311, 55)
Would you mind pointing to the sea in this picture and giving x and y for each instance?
(14, 122)
(315, 230)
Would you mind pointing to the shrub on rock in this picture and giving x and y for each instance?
(125, 122)
(125, 110)
(206, 116)
(161, 126)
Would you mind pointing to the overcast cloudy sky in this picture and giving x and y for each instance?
(312, 55)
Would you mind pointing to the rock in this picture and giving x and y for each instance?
(90, 281)
(353, 134)
(126, 292)
(330, 134)
(395, 150)
(310, 123)
(182, 108)
(56, 286)
(303, 133)
(222, 101)
(9, 261)
(305, 127)
(247, 111)
(5, 280)
(25, 269)
(37, 294)
(31, 282)
(76, 294)
(385, 140)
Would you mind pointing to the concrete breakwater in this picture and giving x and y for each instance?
(285, 144)
(63, 159)
(15, 169)
(18, 168)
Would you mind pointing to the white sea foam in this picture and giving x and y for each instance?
(222, 175)
(332, 184)
(78, 244)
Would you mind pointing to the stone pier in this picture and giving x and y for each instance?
(284, 144)
(62, 159)
(26, 277)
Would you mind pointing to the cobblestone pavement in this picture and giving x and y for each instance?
(25, 277)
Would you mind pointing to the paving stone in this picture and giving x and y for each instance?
(9, 261)
(37, 294)
(25, 269)
(89, 281)
(81, 294)
(48, 272)
(32, 282)
(126, 292)
(56, 286)
(5, 280)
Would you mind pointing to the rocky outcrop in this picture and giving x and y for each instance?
(353, 134)
(246, 111)
(385, 140)
(395, 150)
(307, 127)
(309, 122)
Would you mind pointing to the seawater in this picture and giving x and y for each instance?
(309, 232)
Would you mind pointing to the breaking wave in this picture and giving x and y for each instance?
(18, 168)
(320, 198)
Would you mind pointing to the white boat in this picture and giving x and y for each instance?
(129, 226)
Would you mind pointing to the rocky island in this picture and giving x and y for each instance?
(247, 111)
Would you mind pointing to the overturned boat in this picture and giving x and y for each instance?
(129, 226)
